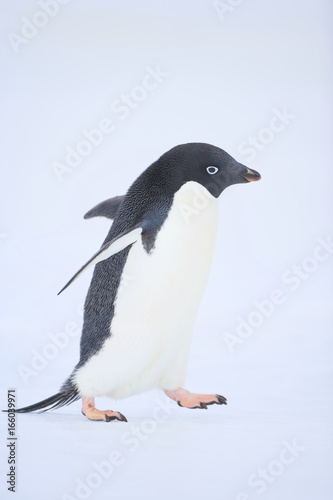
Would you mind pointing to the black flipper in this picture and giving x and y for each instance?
(107, 208)
(67, 395)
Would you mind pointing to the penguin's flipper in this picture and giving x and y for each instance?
(110, 248)
(107, 208)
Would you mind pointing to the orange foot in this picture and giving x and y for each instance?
(188, 399)
(89, 411)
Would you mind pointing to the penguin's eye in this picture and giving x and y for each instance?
(212, 170)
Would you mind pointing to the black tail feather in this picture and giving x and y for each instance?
(67, 395)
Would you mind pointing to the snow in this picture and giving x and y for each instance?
(215, 80)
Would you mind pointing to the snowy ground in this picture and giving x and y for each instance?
(278, 396)
(257, 72)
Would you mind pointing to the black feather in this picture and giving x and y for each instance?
(107, 208)
(67, 395)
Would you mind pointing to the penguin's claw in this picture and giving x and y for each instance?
(92, 413)
(122, 417)
(221, 400)
(186, 399)
(117, 416)
(113, 415)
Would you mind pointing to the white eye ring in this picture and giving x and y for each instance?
(212, 170)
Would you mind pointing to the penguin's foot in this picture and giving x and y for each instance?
(188, 399)
(89, 411)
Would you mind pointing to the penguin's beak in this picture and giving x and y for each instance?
(250, 175)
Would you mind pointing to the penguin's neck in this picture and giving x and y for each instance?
(192, 200)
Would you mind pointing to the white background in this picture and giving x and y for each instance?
(226, 74)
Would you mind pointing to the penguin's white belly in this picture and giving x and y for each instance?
(156, 304)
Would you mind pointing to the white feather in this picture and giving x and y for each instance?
(118, 245)
(109, 249)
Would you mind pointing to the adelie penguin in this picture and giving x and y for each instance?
(148, 281)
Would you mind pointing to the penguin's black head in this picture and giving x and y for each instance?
(210, 166)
